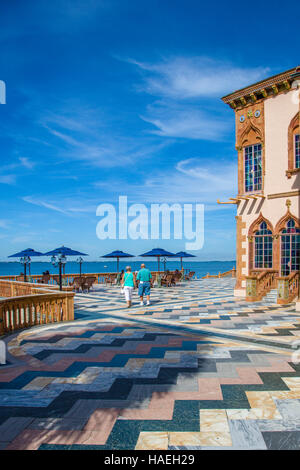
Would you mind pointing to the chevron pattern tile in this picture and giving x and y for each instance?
(121, 386)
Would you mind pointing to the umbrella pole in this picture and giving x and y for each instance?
(181, 263)
(80, 268)
(25, 265)
(158, 259)
(117, 265)
(60, 277)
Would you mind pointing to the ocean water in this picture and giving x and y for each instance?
(201, 268)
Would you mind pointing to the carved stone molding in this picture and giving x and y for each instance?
(255, 225)
(282, 222)
(294, 128)
(250, 130)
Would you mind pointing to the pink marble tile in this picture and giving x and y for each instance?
(248, 375)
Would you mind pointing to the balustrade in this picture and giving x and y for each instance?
(258, 284)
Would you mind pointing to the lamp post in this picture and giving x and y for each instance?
(80, 261)
(60, 261)
(25, 260)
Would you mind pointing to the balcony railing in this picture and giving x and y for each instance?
(26, 304)
(230, 273)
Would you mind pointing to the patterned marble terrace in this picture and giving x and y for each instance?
(197, 369)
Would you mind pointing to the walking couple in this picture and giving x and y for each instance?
(129, 282)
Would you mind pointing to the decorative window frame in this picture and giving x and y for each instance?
(254, 227)
(249, 132)
(294, 128)
(282, 222)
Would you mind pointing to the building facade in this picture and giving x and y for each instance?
(267, 116)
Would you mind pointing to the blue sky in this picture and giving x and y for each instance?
(111, 97)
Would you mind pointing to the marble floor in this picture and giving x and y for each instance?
(198, 369)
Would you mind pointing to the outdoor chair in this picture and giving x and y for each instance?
(189, 276)
(111, 278)
(168, 280)
(45, 279)
(88, 283)
(77, 284)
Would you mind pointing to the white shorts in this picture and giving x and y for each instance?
(128, 292)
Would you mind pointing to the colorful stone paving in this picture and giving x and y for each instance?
(155, 378)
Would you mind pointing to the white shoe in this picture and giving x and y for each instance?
(142, 303)
(148, 303)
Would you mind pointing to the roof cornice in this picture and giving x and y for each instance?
(261, 90)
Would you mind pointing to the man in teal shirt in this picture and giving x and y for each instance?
(144, 277)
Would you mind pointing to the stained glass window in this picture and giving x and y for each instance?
(253, 170)
(263, 255)
(297, 151)
(290, 248)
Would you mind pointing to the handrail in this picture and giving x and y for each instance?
(258, 284)
(288, 288)
(100, 277)
(220, 275)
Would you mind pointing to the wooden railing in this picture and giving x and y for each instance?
(258, 284)
(288, 288)
(27, 304)
(101, 278)
(231, 272)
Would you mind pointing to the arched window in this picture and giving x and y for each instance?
(263, 253)
(297, 150)
(290, 248)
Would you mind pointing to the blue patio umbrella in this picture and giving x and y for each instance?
(25, 258)
(64, 251)
(117, 254)
(158, 253)
(183, 254)
(61, 253)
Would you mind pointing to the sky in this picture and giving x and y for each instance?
(109, 98)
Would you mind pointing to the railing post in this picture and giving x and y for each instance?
(282, 291)
(251, 289)
(1, 320)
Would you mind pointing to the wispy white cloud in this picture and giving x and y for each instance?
(195, 77)
(8, 179)
(26, 162)
(214, 174)
(4, 223)
(186, 91)
(9, 173)
(185, 122)
(46, 205)
(66, 206)
(191, 180)
(86, 138)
